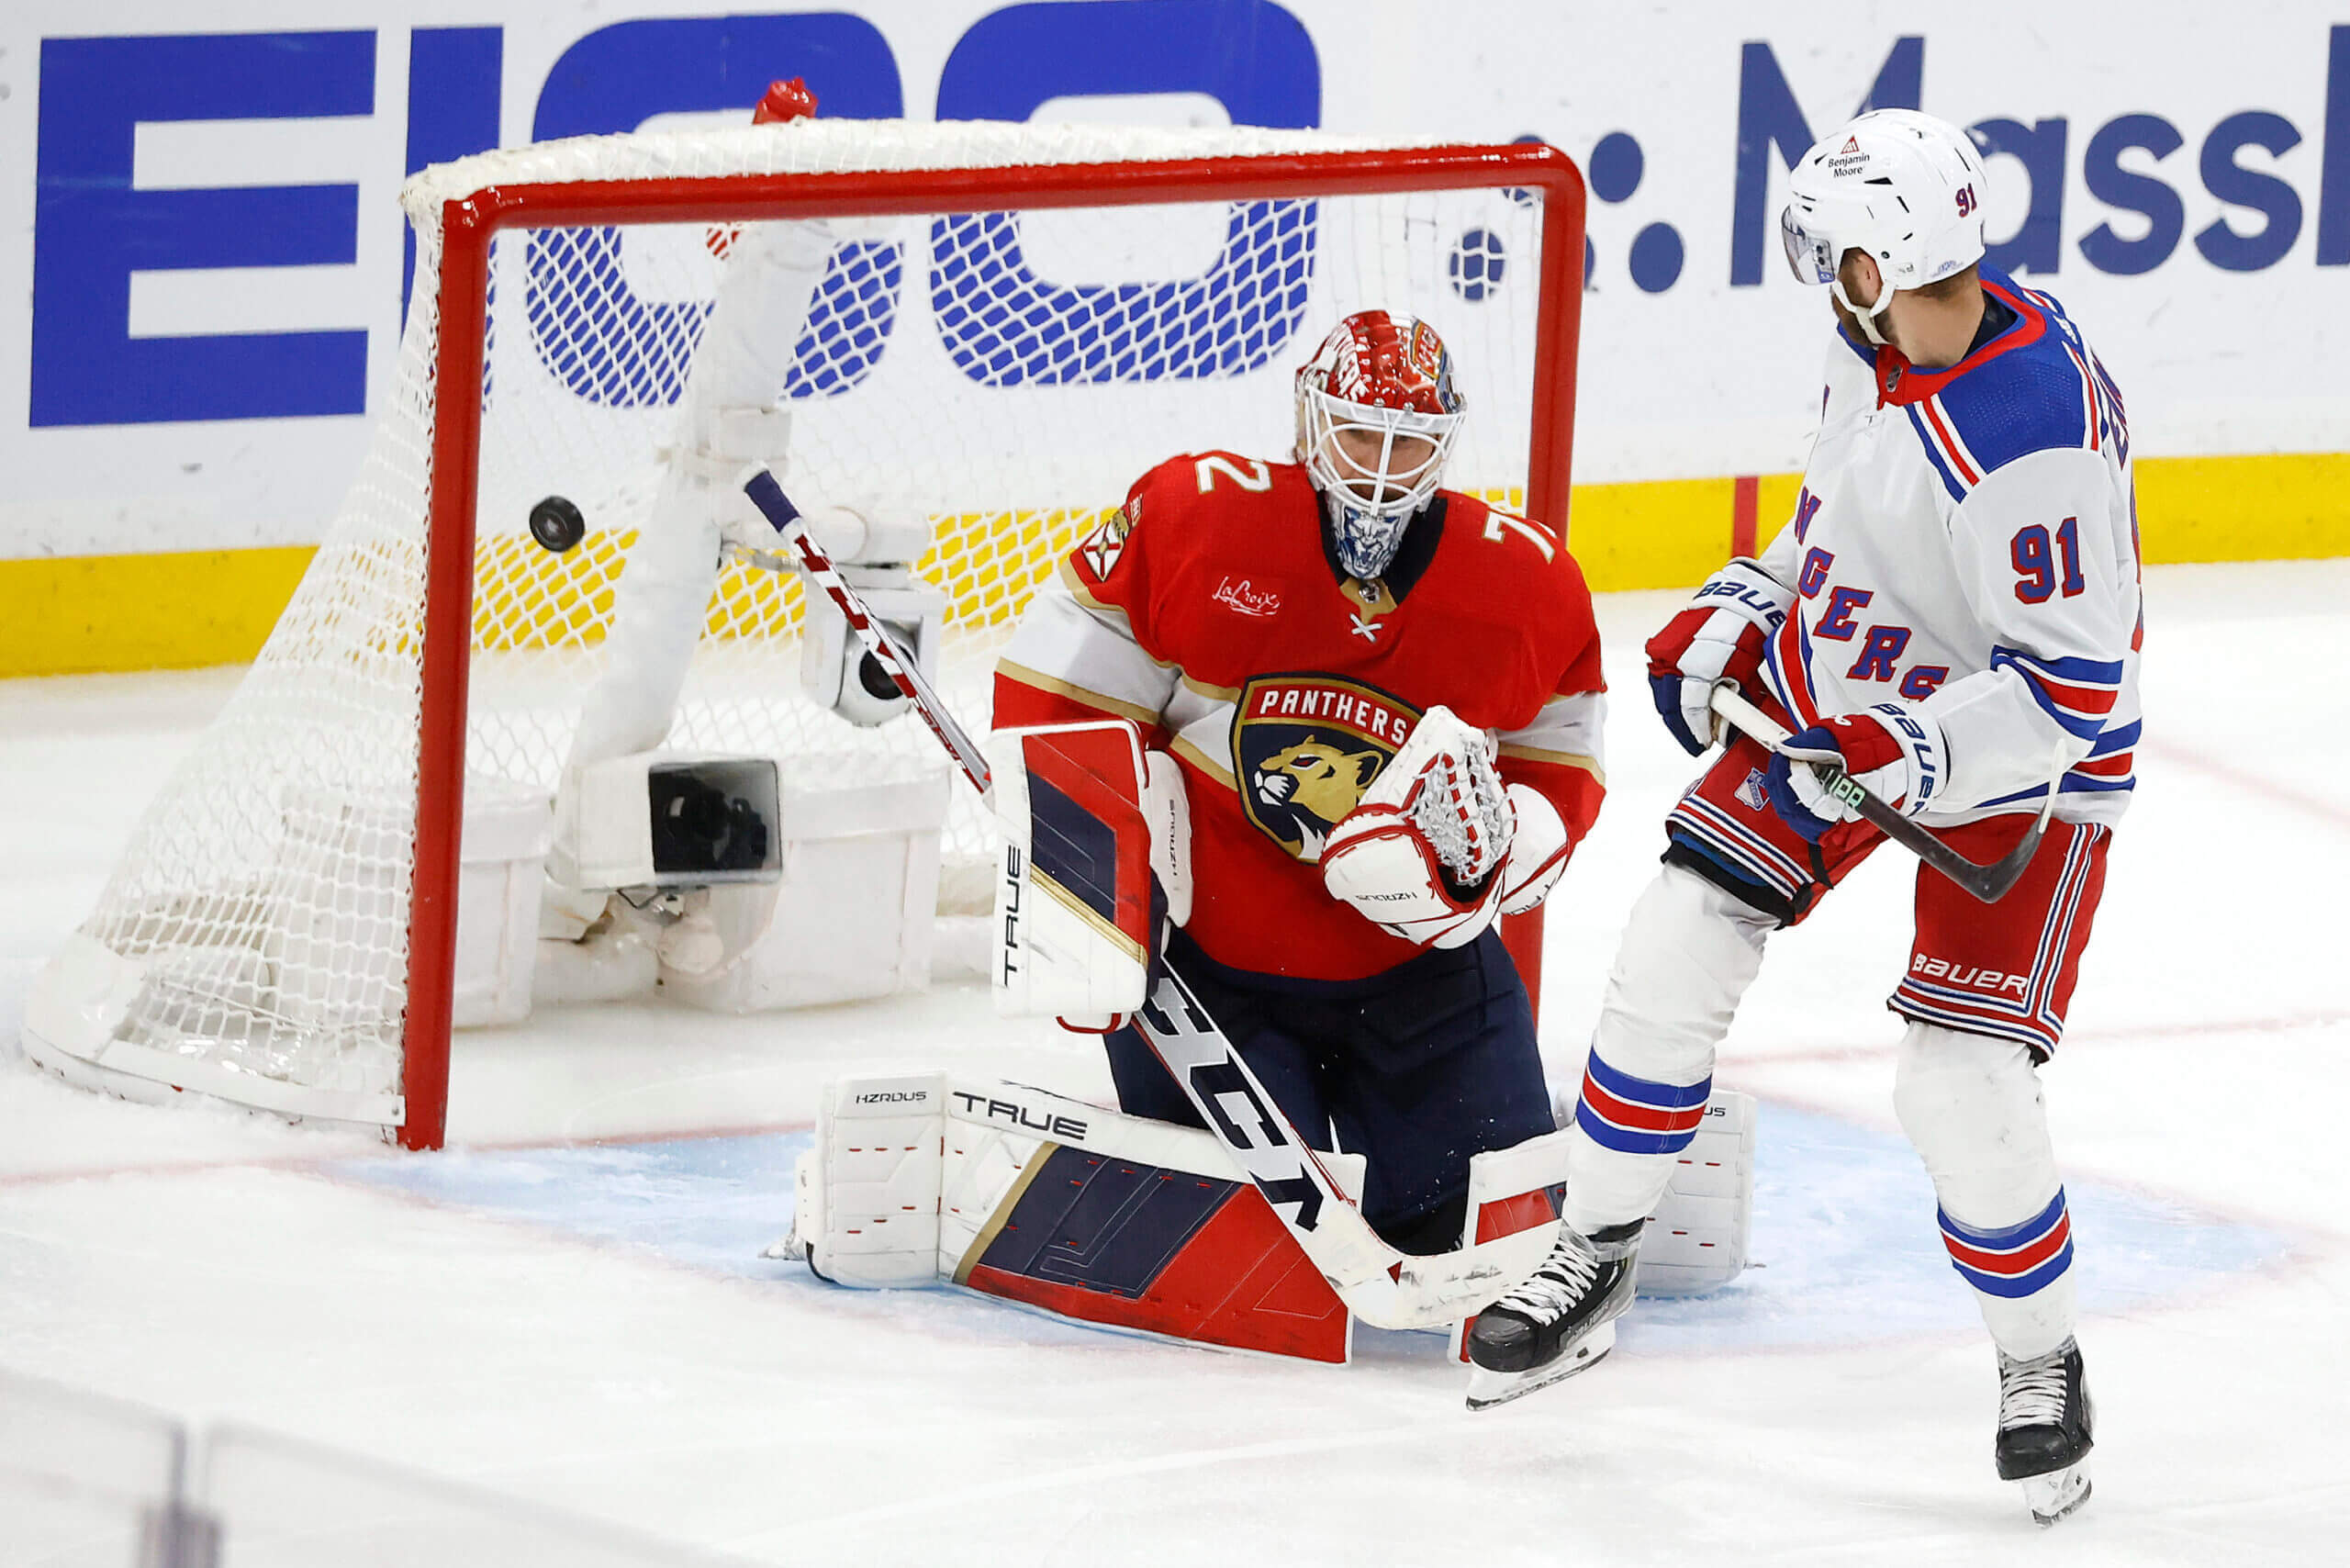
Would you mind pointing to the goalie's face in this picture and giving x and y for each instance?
(1376, 466)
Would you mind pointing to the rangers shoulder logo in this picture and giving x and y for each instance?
(1306, 747)
(1756, 790)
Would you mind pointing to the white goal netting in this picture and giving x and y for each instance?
(1002, 373)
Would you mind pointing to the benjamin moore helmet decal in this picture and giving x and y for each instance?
(1306, 747)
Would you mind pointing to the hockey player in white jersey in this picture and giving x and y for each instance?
(1952, 619)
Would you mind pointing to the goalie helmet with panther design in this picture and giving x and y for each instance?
(1377, 414)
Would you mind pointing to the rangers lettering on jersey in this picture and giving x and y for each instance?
(1966, 540)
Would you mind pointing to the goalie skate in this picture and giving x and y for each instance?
(2045, 1423)
(1559, 1321)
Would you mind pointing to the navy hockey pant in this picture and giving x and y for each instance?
(1415, 1070)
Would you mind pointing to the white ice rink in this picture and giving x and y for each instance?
(569, 1306)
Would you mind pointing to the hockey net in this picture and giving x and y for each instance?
(999, 329)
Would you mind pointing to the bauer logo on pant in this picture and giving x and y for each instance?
(1305, 748)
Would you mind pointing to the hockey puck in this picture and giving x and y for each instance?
(556, 524)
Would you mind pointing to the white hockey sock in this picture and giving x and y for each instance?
(1689, 952)
(1972, 1107)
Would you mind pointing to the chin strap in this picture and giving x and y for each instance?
(1866, 316)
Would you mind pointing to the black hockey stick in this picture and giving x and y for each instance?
(1990, 883)
(1378, 1284)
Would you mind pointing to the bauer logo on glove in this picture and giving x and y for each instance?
(1721, 637)
(1893, 752)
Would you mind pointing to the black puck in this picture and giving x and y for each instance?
(556, 524)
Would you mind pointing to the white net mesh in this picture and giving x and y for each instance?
(1004, 375)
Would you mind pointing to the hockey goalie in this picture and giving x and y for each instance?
(1301, 734)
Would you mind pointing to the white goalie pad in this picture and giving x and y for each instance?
(1696, 1240)
(1032, 1197)
(1097, 837)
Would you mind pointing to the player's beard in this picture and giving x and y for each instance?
(1846, 319)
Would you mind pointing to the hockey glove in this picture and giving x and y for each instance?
(1894, 750)
(1096, 859)
(1439, 846)
(1721, 636)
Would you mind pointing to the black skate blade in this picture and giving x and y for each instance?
(2056, 1495)
(1487, 1389)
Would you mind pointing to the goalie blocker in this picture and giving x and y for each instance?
(1019, 1193)
(1096, 861)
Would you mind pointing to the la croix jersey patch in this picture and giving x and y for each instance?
(1306, 747)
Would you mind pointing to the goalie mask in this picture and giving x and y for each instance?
(1904, 186)
(1377, 414)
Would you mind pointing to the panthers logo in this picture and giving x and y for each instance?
(1310, 787)
(1306, 747)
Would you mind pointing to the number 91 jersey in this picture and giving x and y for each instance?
(1211, 612)
(1966, 539)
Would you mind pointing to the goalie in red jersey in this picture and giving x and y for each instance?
(1371, 710)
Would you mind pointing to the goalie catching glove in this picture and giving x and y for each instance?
(1439, 847)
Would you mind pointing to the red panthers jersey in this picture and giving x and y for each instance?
(1211, 610)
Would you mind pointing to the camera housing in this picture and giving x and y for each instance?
(665, 820)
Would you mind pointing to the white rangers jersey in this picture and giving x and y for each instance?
(1966, 539)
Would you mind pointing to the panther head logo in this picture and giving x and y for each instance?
(1310, 785)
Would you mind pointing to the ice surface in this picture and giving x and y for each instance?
(582, 1323)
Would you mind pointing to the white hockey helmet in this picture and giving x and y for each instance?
(1380, 377)
(1904, 186)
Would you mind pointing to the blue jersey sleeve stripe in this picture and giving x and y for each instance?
(2121, 739)
(2078, 672)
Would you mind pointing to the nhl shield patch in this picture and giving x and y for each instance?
(1306, 747)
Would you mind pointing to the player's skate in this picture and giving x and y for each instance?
(2044, 1430)
(1562, 1320)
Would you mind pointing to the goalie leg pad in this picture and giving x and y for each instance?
(1695, 1242)
(1081, 1212)
(866, 1210)
(1087, 1214)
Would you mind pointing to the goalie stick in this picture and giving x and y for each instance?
(902, 668)
(1380, 1285)
(1990, 883)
